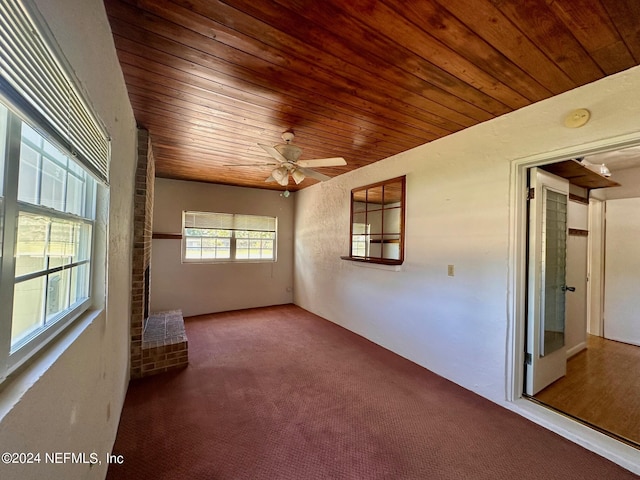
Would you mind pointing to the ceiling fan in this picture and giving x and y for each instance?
(287, 154)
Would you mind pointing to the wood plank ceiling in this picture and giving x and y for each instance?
(361, 79)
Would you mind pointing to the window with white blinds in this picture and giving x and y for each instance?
(53, 153)
(35, 77)
(225, 237)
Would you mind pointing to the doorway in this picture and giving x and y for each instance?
(580, 355)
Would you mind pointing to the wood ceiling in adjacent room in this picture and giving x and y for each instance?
(359, 79)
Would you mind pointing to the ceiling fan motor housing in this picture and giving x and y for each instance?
(289, 151)
(288, 136)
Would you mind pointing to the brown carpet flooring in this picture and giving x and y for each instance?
(279, 393)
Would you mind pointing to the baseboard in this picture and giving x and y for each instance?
(577, 349)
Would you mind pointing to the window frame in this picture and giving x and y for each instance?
(234, 239)
(367, 189)
(11, 207)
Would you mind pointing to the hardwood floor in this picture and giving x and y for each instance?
(602, 387)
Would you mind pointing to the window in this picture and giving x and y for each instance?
(224, 237)
(377, 223)
(53, 152)
(47, 246)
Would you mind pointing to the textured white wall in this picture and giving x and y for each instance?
(70, 399)
(209, 288)
(457, 213)
(629, 180)
(576, 275)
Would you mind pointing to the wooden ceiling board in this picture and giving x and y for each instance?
(596, 31)
(360, 79)
(298, 51)
(289, 100)
(625, 15)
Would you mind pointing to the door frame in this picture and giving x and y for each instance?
(518, 218)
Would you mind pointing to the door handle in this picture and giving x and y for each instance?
(568, 289)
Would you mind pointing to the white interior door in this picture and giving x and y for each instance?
(546, 303)
(622, 267)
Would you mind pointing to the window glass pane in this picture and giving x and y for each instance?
(391, 246)
(57, 293)
(255, 249)
(79, 289)
(82, 237)
(62, 247)
(31, 245)
(75, 190)
(75, 168)
(193, 248)
(53, 180)
(224, 248)
(28, 178)
(89, 197)
(375, 246)
(374, 220)
(28, 302)
(242, 249)
(31, 136)
(3, 144)
(360, 228)
(392, 220)
(359, 245)
(208, 248)
(374, 198)
(267, 249)
(392, 193)
(54, 154)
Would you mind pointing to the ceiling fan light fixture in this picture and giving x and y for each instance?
(281, 175)
(298, 176)
(602, 169)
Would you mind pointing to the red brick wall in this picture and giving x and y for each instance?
(152, 357)
(142, 236)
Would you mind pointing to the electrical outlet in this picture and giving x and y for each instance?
(450, 270)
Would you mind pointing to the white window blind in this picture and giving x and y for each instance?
(33, 76)
(228, 221)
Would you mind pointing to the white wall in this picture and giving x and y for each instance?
(622, 271)
(457, 213)
(576, 275)
(629, 180)
(595, 266)
(70, 398)
(207, 288)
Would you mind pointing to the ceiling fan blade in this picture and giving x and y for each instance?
(273, 152)
(313, 174)
(323, 162)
